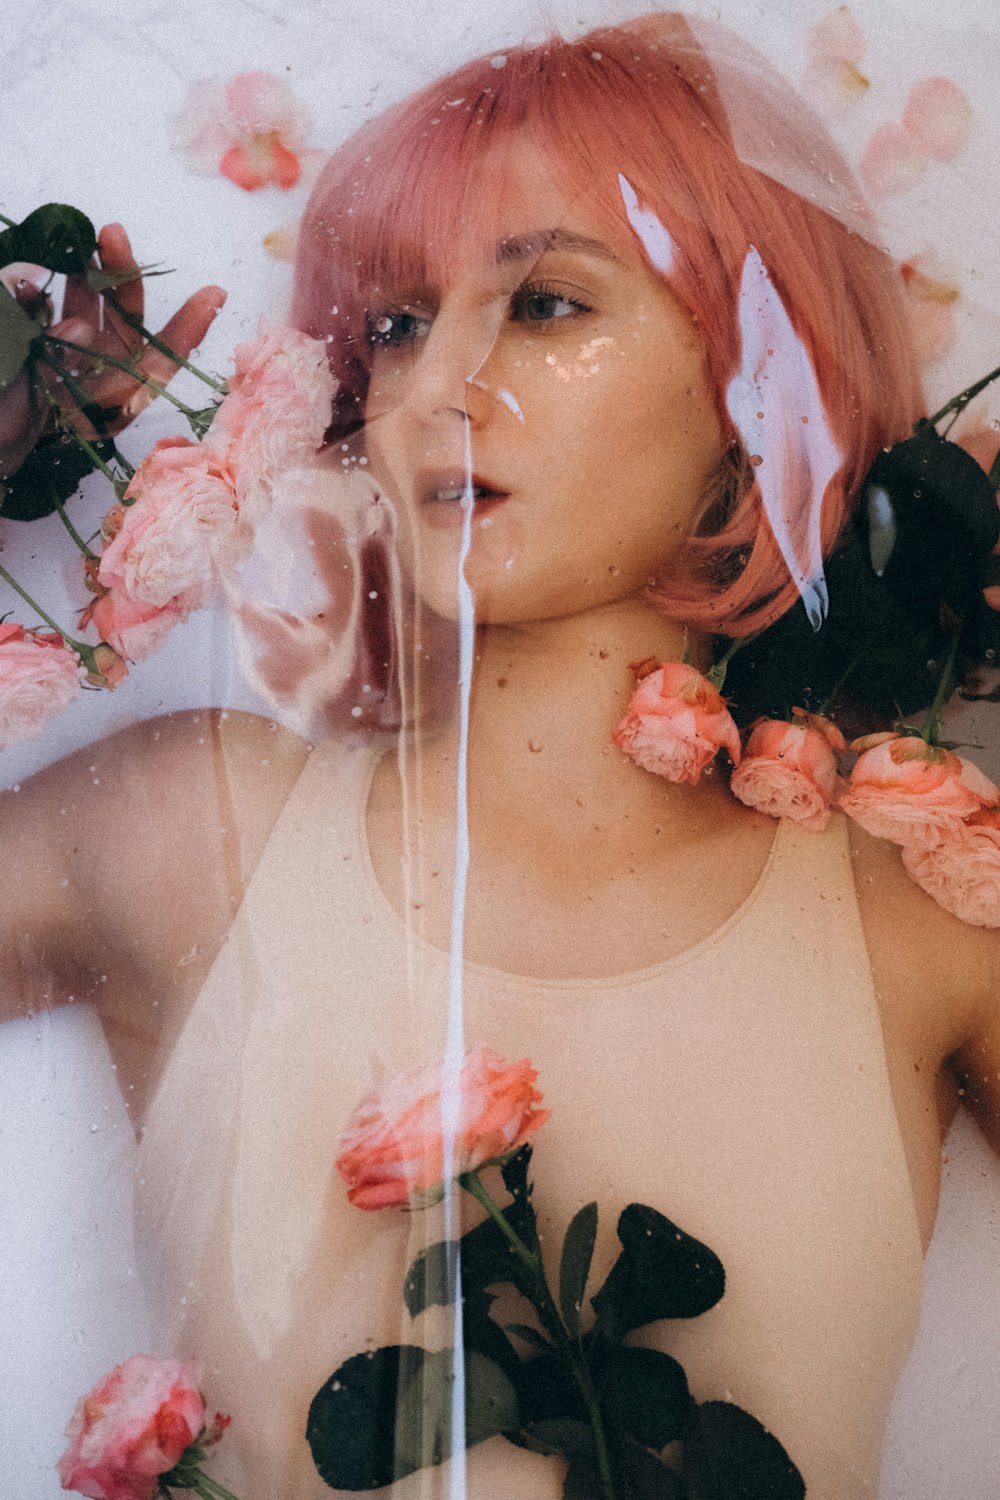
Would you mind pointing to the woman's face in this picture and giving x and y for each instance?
(565, 387)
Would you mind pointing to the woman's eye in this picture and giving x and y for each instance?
(541, 305)
(392, 330)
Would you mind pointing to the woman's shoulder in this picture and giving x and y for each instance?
(939, 976)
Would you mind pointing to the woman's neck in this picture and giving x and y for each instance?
(545, 699)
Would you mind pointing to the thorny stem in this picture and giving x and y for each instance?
(8, 578)
(549, 1314)
(960, 402)
(78, 539)
(130, 369)
(716, 674)
(138, 326)
(83, 401)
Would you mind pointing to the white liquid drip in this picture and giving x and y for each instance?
(451, 1101)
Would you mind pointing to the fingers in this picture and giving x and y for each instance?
(115, 251)
(190, 323)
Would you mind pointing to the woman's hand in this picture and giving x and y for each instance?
(89, 318)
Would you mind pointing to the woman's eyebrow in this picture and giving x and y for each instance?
(515, 247)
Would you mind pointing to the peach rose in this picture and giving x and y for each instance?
(276, 414)
(676, 723)
(134, 630)
(132, 1427)
(962, 872)
(392, 1152)
(39, 677)
(911, 792)
(789, 770)
(164, 545)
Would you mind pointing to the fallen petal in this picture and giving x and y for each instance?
(938, 117)
(838, 37)
(893, 162)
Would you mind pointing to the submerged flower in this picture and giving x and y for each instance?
(676, 723)
(251, 129)
(276, 413)
(39, 677)
(789, 770)
(913, 793)
(394, 1149)
(132, 1427)
(962, 872)
(168, 540)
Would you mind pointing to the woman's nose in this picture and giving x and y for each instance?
(449, 377)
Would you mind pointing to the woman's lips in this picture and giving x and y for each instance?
(444, 496)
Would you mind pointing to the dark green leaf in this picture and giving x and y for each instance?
(479, 1332)
(486, 1260)
(17, 330)
(729, 1456)
(574, 1268)
(100, 280)
(647, 1393)
(647, 1477)
(582, 1482)
(55, 236)
(386, 1414)
(530, 1336)
(514, 1172)
(547, 1390)
(48, 477)
(565, 1435)
(661, 1273)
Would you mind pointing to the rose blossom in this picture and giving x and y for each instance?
(39, 677)
(789, 770)
(913, 793)
(132, 1427)
(134, 630)
(276, 413)
(165, 543)
(676, 723)
(962, 872)
(393, 1149)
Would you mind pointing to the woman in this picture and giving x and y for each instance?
(531, 276)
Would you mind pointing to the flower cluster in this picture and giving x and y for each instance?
(139, 1432)
(941, 810)
(184, 521)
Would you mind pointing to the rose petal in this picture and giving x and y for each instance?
(938, 117)
(893, 161)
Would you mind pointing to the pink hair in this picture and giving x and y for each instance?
(413, 192)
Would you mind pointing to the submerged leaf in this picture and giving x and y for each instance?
(661, 1273)
(17, 331)
(56, 236)
(729, 1455)
(648, 1393)
(574, 1268)
(50, 474)
(384, 1415)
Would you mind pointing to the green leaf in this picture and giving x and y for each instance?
(661, 1273)
(17, 332)
(55, 236)
(647, 1477)
(100, 280)
(582, 1482)
(647, 1392)
(384, 1415)
(574, 1268)
(565, 1435)
(48, 477)
(729, 1456)
(548, 1390)
(486, 1260)
(530, 1336)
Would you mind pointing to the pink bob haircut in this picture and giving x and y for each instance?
(416, 189)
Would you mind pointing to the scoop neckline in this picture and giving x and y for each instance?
(627, 977)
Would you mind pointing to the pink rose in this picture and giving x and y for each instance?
(676, 723)
(39, 677)
(962, 872)
(913, 793)
(166, 543)
(134, 630)
(789, 770)
(134, 1426)
(393, 1150)
(276, 414)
